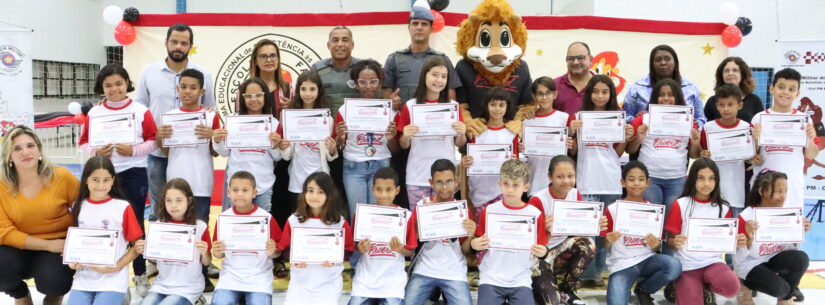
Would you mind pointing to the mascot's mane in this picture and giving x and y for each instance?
(494, 11)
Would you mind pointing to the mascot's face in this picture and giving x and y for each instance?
(494, 47)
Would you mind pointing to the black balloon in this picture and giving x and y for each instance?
(745, 25)
(131, 14)
(439, 5)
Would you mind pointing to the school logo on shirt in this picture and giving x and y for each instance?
(362, 139)
(778, 149)
(666, 143)
(311, 145)
(381, 250)
(634, 241)
(768, 249)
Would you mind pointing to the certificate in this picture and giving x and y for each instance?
(488, 158)
(316, 245)
(602, 126)
(639, 219)
(544, 141)
(306, 125)
(434, 119)
(380, 224)
(438, 221)
(670, 120)
(170, 242)
(713, 235)
(112, 129)
(511, 232)
(731, 145)
(249, 131)
(91, 247)
(367, 115)
(779, 225)
(783, 129)
(576, 218)
(243, 233)
(183, 128)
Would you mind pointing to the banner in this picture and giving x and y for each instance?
(16, 101)
(620, 47)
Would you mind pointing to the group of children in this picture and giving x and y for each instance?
(547, 274)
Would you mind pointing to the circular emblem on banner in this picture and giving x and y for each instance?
(791, 57)
(296, 57)
(11, 59)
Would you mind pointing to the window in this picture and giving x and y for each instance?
(52, 79)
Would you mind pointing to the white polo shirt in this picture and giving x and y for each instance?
(194, 163)
(540, 165)
(183, 278)
(248, 271)
(681, 211)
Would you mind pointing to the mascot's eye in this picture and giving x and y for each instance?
(485, 38)
(505, 39)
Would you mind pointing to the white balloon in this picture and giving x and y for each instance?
(75, 108)
(728, 13)
(112, 14)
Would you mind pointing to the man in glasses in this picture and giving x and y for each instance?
(334, 71)
(570, 86)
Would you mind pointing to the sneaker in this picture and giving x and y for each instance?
(208, 286)
(571, 298)
(201, 301)
(473, 279)
(797, 295)
(709, 297)
(151, 269)
(141, 285)
(670, 293)
(785, 302)
(279, 269)
(594, 283)
(745, 296)
(644, 297)
(127, 299)
(213, 271)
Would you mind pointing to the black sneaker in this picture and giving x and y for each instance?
(797, 295)
(670, 293)
(709, 297)
(570, 297)
(644, 297)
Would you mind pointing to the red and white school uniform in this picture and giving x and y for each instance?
(355, 149)
(598, 169)
(666, 157)
(183, 278)
(759, 253)
(380, 272)
(307, 158)
(145, 131)
(539, 165)
(440, 259)
(731, 173)
(260, 162)
(484, 189)
(681, 211)
(509, 268)
(424, 151)
(109, 214)
(194, 163)
(544, 202)
(248, 271)
(315, 284)
(626, 252)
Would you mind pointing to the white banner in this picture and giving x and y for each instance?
(16, 101)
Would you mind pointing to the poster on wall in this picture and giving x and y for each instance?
(16, 101)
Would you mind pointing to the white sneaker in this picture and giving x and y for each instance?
(141, 285)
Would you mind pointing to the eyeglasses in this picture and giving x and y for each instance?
(371, 82)
(543, 95)
(444, 184)
(251, 95)
(272, 56)
(575, 58)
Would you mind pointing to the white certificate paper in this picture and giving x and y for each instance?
(380, 224)
(731, 145)
(91, 247)
(576, 218)
(602, 126)
(783, 129)
(316, 245)
(112, 129)
(171, 242)
(639, 219)
(249, 131)
(779, 225)
(183, 128)
(670, 120)
(511, 232)
(243, 233)
(306, 125)
(712, 235)
(488, 158)
(367, 115)
(434, 119)
(544, 141)
(438, 221)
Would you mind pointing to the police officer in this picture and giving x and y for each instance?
(334, 71)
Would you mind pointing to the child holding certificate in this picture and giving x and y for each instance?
(634, 258)
(483, 190)
(245, 272)
(379, 274)
(511, 239)
(702, 198)
(318, 279)
(193, 163)
(772, 268)
(179, 281)
(432, 89)
(99, 206)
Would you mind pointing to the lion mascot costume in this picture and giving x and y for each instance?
(492, 41)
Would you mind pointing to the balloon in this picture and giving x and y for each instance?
(731, 36)
(745, 25)
(86, 107)
(131, 14)
(112, 14)
(79, 119)
(438, 21)
(75, 108)
(728, 13)
(439, 5)
(125, 33)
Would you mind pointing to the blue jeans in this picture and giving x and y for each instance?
(665, 191)
(597, 265)
(495, 295)
(356, 300)
(202, 208)
(229, 297)
(157, 178)
(653, 273)
(154, 298)
(80, 297)
(358, 181)
(419, 289)
(133, 184)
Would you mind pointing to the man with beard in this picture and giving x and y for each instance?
(570, 86)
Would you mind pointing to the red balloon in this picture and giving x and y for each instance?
(79, 119)
(125, 33)
(731, 36)
(438, 21)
